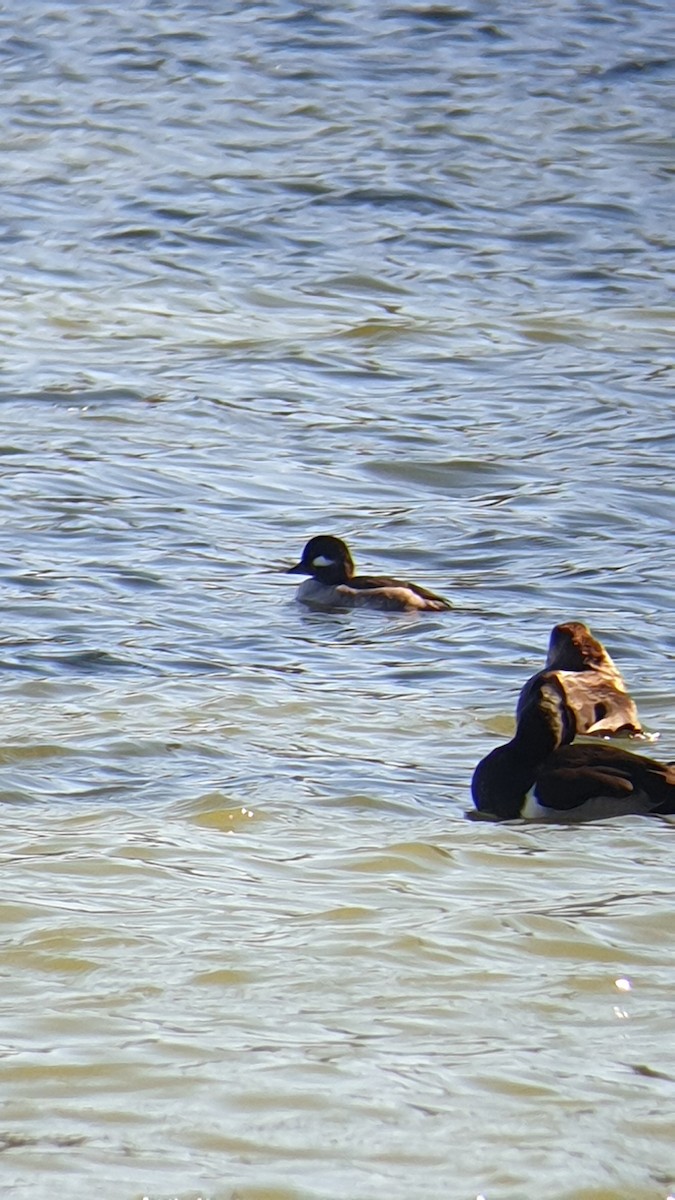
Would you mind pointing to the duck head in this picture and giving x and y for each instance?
(504, 777)
(326, 559)
(572, 647)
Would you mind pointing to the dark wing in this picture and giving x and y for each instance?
(369, 582)
(566, 788)
(585, 771)
(427, 595)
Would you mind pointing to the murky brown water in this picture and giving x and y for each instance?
(400, 273)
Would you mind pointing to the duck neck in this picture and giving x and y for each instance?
(503, 779)
(535, 738)
(332, 574)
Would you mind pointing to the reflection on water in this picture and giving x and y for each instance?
(398, 273)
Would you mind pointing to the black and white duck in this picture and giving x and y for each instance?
(539, 774)
(334, 584)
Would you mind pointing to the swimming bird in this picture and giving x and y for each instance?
(539, 774)
(593, 685)
(333, 584)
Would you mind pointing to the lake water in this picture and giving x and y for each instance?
(403, 273)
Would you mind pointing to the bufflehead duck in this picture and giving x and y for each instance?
(593, 686)
(333, 583)
(539, 774)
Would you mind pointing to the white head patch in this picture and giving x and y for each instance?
(322, 561)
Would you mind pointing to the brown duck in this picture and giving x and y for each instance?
(593, 686)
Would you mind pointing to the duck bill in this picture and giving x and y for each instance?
(298, 569)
